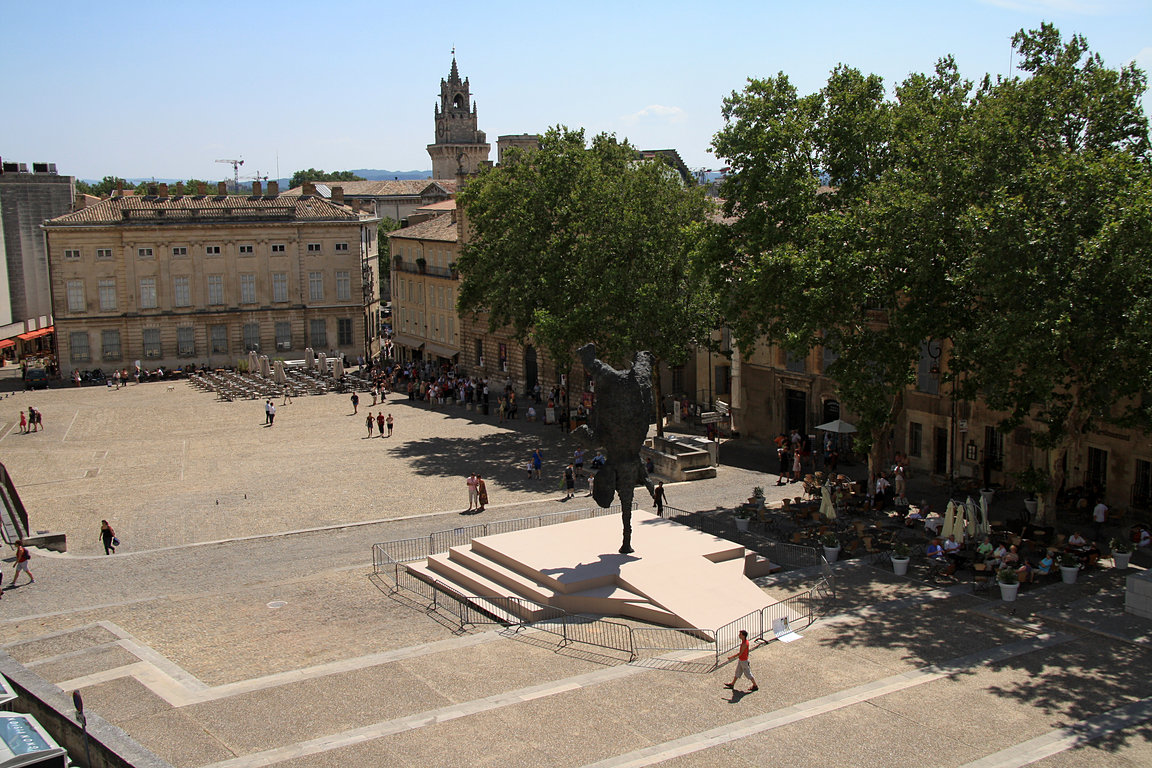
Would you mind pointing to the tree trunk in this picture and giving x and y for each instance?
(656, 396)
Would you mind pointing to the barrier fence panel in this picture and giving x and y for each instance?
(404, 550)
(796, 612)
(602, 633)
(728, 636)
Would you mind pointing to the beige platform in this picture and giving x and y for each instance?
(678, 576)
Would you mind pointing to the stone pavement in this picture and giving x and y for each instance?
(249, 632)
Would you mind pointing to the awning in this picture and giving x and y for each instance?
(7, 343)
(440, 351)
(36, 334)
(412, 342)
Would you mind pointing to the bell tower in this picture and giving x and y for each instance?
(459, 146)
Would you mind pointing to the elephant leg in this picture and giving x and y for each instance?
(625, 493)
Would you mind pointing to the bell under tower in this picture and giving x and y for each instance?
(459, 146)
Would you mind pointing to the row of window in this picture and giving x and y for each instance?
(442, 328)
(251, 339)
(438, 295)
(179, 251)
(182, 290)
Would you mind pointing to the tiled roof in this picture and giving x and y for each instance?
(441, 205)
(396, 187)
(442, 228)
(186, 209)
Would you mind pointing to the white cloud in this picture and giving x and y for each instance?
(656, 113)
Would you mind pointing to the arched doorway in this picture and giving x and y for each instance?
(531, 374)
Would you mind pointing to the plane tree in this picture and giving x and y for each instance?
(578, 242)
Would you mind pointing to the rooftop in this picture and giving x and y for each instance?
(182, 209)
(441, 228)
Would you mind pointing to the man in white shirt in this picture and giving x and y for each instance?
(1099, 517)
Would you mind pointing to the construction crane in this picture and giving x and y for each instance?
(235, 172)
(261, 177)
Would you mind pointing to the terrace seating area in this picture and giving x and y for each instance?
(232, 385)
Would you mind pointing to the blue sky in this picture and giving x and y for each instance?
(164, 89)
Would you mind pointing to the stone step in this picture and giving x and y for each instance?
(700, 473)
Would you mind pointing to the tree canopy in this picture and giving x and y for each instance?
(577, 242)
(299, 177)
(1009, 218)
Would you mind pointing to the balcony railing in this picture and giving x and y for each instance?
(405, 266)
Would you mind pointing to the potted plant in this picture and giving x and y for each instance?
(1121, 553)
(757, 497)
(743, 517)
(421, 263)
(1069, 567)
(1032, 481)
(1009, 582)
(453, 269)
(901, 554)
(831, 546)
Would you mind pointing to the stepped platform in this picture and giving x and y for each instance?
(678, 577)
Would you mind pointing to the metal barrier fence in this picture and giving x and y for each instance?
(439, 542)
(667, 647)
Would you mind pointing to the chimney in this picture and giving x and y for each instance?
(309, 188)
(222, 188)
(179, 189)
(119, 188)
(256, 190)
(273, 188)
(152, 190)
(80, 202)
(163, 190)
(201, 189)
(338, 195)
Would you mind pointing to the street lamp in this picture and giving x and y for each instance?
(935, 349)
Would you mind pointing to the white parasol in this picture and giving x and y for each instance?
(949, 519)
(827, 508)
(322, 362)
(338, 366)
(972, 513)
(838, 426)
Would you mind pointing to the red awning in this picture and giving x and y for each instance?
(7, 343)
(36, 334)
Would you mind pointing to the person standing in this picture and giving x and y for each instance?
(267, 406)
(578, 461)
(538, 463)
(355, 403)
(569, 482)
(388, 421)
(271, 413)
(380, 423)
(1099, 517)
(481, 492)
(22, 558)
(658, 497)
(473, 492)
(33, 425)
(108, 537)
(742, 665)
(782, 455)
(370, 422)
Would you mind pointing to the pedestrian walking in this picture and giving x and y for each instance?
(569, 481)
(473, 492)
(380, 423)
(481, 492)
(538, 463)
(658, 497)
(742, 666)
(23, 422)
(108, 537)
(287, 396)
(267, 412)
(369, 422)
(578, 461)
(388, 421)
(355, 403)
(271, 413)
(22, 558)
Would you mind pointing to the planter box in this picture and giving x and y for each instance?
(1068, 574)
(900, 565)
(831, 553)
(742, 524)
(1120, 560)
(1008, 591)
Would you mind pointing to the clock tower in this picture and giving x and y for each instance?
(459, 146)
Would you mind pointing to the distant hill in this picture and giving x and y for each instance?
(373, 174)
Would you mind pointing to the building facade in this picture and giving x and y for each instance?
(424, 286)
(395, 199)
(460, 146)
(175, 280)
(27, 199)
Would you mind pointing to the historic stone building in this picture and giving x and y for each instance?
(460, 146)
(172, 279)
(395, 199)
(424, 286)
(26, 200)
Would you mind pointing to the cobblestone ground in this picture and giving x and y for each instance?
(239, 624)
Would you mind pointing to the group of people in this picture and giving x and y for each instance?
(32, 421)
(381, 422)
(269, 413)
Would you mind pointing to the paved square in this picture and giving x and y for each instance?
(238, 625)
